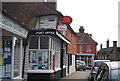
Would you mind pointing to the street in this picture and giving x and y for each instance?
(77, 76)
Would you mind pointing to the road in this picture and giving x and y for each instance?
(77, 76)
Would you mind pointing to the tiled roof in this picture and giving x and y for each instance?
(84, 38)
(108, 50)
(27, 11)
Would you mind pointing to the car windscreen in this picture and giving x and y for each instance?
(97, 64)
(115, 74)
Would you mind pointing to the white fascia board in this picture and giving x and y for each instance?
(40, 71)
(63, 38)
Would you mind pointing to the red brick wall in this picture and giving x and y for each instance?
(84, 49)
(72, 46)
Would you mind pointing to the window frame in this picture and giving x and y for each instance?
(54, 48)
(81, 48)
(89, 48)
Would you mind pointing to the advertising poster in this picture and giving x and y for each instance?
(38, 60)
(7, 57)
(1, 54)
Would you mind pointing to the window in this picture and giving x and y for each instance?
(45, 55)
(33, 44)
(81, 48)
(56, 49)
(115, 74)
(44, 42)
(38, 60)
(38, 53)
(89, 48)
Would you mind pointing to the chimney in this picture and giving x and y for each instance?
(101, 46)
(81, 30)
(107, 43)
(52, 4)
(114, 43)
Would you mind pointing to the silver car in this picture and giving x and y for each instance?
(80, 65)
(108, 71)
(94, 68)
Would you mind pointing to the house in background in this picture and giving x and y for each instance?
(86, 47)
(110, 53)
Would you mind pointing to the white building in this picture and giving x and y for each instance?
(12, 34)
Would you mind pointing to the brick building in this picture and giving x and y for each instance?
(71, 48)
(86, 46)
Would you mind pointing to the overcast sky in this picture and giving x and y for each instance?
(99, 18)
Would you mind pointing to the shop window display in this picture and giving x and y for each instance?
(38, 60)
(38, 53)
(47, 56)
(7, 53)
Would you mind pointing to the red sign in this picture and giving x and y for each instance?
(66, 20)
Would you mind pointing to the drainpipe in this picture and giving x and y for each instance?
(61, 60)
(25, 43)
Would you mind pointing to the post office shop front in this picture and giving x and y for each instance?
(47, 49)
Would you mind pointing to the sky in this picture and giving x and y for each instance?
(99, 18)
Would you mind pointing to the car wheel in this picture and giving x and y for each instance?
(84, 69)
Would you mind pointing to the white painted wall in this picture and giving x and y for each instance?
(47, 22)
(72, 67)
(26, 62)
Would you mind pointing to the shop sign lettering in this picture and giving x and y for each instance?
(45, 33)
(13, 27)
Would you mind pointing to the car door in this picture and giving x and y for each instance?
(102, 74)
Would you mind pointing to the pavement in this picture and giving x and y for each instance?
(77, 76)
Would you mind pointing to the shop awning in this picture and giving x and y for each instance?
(52, 32)
(11, 26)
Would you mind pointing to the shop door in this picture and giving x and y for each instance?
(7, 54)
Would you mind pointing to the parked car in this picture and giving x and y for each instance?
(94, 68)
(108, 71)
(80, 65)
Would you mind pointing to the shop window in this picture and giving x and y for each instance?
(33, 44)
(64, 54)
(57, 60)
(7, 57)
(44, 58)
(38, 60)
(56, 45)
(89, 48)
(44, 42)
